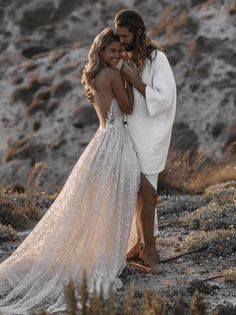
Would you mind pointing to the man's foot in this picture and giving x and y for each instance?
(135, 251)
(152, 260)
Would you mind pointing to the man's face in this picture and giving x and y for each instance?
(126, 38)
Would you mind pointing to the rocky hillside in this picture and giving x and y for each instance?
(43, 47)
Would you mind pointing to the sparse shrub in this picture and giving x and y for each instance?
(222, 193)
(224, 310)
(10, 213)
(202, 287)
(17, 209)
(216, 243)
(198, 304)
(150, 304)
(129, 302)
(230, 276)
(193, 173)
(7, 233)
(33, 189)
(211, 217)
(177, 204)
(70, 298)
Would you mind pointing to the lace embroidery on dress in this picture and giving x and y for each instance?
(86, 228)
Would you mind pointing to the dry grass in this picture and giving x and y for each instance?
(198, 304)
(33, 189)
(7, 233)
(149, 304)
(18, 209)
(193, 174)
(12, 210)
(217, 243)
(211, 217)
(177, 204)
(224, 193)
(230, 275)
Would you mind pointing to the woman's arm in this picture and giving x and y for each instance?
(123, 95)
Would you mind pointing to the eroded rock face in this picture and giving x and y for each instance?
(43, 47)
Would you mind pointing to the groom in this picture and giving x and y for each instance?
(150, 124)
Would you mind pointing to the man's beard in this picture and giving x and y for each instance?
(130, 47)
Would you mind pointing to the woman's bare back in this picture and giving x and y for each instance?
(103, 95)
(109, 84)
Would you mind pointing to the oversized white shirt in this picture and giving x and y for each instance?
(151, 121)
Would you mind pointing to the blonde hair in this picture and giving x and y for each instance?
(95, 62)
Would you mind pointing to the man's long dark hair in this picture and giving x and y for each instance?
(134, 22)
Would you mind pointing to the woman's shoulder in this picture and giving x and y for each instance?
(113, 73)
(108, 76)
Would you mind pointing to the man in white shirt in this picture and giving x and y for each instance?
(150, 124)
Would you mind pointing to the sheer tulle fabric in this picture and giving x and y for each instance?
(86, 228)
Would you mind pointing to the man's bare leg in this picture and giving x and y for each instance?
(135, 250)
(147, 215)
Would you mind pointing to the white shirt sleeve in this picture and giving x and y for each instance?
(161, 95)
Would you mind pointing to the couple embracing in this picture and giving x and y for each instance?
(107, 206)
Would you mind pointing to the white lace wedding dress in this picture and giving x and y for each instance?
(86, 228)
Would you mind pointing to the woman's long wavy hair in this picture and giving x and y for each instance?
(95, 62)
(134, 22)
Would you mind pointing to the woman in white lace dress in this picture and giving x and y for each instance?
(88, 225)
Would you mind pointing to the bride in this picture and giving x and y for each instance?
(88, 225)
